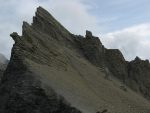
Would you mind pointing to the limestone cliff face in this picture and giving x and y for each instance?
(54, 71)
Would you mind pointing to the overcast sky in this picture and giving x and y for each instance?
(122, 24)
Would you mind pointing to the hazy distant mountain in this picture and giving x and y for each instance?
(3, 59)
(53, 71)
(3, 64)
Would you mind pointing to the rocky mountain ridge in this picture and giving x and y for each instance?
(135, 74)
(54, 71)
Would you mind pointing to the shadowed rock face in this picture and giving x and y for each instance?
(139, 76)
(116, 64)
(135, 74)
(54, 71)
(2, 68)
(93, 49)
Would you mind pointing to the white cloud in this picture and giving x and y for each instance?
(73, 14)
(11, 17)
(132, 41)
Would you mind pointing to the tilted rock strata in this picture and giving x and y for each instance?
(135, 74)
(48, 61)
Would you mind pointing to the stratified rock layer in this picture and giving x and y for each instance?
(93, 49)
(135, 74)
(54, 71)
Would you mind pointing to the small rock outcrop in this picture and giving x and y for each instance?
(116, 64)
(15, 37)
(88, 34)
(92, 49)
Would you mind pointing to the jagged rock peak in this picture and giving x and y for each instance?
(41, 11)
(137, 58)
(43, 17)
(25, 25)
(42, 14)
(44, 22)
(88, 34)
(15, 36)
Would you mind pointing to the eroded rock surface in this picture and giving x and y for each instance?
(135, 74)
